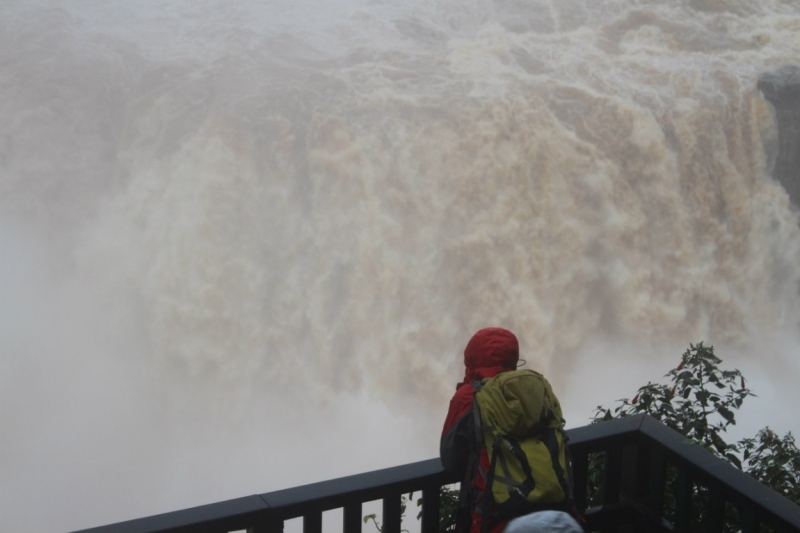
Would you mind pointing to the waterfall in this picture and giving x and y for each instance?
(241, 239)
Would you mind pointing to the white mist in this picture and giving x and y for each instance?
(243, 245)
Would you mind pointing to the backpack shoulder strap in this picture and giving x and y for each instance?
(564, 477)
(476, 413)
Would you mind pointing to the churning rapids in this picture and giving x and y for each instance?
(243, 243)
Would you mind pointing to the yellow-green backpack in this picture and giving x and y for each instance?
(520, 422)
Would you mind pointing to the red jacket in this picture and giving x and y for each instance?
(489, 352)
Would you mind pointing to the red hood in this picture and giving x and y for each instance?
(489, 352)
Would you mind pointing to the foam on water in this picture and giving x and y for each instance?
(233, 227)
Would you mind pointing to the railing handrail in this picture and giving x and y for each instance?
(285, 504)
(368, 486)
(243, 513)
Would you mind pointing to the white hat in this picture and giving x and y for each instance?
(544, 522)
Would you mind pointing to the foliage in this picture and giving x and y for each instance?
(774, 461)
(448, 509)
(700, 401)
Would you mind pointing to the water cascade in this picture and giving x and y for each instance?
(232, 232)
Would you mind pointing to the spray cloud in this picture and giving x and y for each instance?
(230, 231)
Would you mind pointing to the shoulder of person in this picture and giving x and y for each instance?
(463, 394)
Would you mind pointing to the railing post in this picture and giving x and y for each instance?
(351, 520)
(431, 505)
(266, 526)
(312, 522)
(391, 514)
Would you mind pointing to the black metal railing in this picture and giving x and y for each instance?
(653, 479)
(646, 477)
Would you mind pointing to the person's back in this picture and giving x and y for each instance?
(490, 352)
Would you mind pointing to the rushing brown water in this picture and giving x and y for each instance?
(234, 231)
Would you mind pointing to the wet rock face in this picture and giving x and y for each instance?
(782, 89)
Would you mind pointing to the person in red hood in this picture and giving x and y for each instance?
(489, 352)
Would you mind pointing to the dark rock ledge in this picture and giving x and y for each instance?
(782, 89)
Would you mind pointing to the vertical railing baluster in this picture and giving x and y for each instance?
(312, 522)
(351, 520)
(580, 475)
(683, 501)
(642, 483)
(749, 520)
(715, 517)
(391, 514)
(613, 475)
(636, 479)
(629, 476)
(267, 526)
(431, 504)
(658, 482)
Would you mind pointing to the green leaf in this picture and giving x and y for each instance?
(719, 444)
(735, 460)
(702, 397)
(726, 414)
